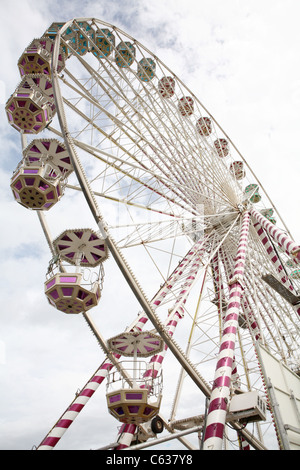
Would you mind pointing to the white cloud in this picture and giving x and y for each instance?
(241, 59)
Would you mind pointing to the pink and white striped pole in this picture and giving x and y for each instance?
(125, 435)
(273, 256)
(245, 303)
(219, 399)
(286, 243)
(279, 235)
(54, 436)
(218, 283)
(127, 430)
(254, 328)
(68, 417)
(156, 361)
(221, 309)
(244, 445)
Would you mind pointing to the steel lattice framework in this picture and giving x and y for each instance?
(177, 208)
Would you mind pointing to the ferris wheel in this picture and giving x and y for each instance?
(179, 211)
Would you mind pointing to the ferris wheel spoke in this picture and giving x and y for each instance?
(283, 327)
(149, 182)
(196, 192)
(163, 179)
(251, 318)
(89, 97)
(127, 202)
(152, 231)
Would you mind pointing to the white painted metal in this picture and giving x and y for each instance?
(180, 209)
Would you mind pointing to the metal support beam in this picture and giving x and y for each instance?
(169, 437)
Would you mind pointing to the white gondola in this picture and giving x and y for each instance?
(140, 401)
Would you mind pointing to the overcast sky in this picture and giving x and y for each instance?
(241, 59)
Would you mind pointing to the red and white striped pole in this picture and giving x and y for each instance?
(286, 243)
(221, 309)
(127, 431)
(219, 399)
(273, 256)
(156, 361)
(68, 417)
(279, 235)
(245, 304)
(54, 436)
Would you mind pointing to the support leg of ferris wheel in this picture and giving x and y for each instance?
(220, 297)
(55, 434)
(255, 292)
(279, 235)
(273, 255)
(248, 314)
(188, 349)
(255, 332)
(127, 431)
(229, 271)
(286, 243)
(246, 304)
(217, 410)
(253, 325)
(156, 361)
